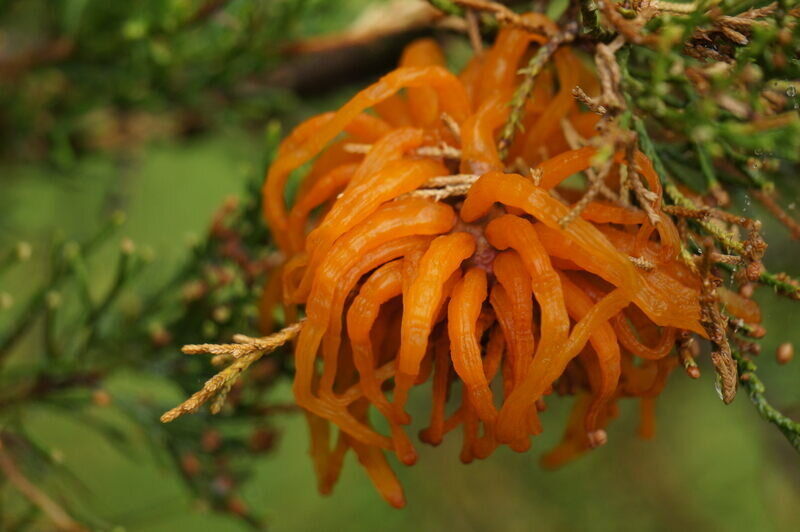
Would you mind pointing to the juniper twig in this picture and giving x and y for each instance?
(523, 90)
(245, 352)
(756, 390)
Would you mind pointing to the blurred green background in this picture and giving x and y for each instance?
(710, 467)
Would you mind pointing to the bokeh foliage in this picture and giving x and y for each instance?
(78, 75)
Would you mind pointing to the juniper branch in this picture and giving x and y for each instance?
(756, 390)
(523, 91)
(244, 355)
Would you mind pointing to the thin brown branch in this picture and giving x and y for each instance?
(575, 141)
(375, 23)
(452, 125)
(504, 15)
(768, 200)
(54, 512)
(596, 182)
(474, 32)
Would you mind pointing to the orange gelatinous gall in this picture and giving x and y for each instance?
(418, 262)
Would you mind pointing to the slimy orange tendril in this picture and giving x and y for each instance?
(428, 269)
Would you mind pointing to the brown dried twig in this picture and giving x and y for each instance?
(716, 325)
(596, 182)
(441, 187)
(736, 29)
(503, 15)
(244, 353)
(588, 101)
(443, 150)
(642, 263)
(687, 350)
(631, 29)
